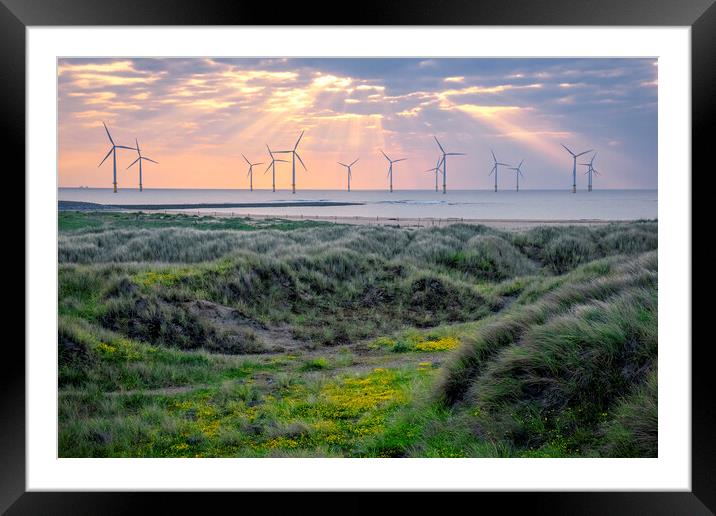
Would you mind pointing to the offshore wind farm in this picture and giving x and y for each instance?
(403, 119)
(465, 204)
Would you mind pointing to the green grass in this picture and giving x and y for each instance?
(252, 408)
(78, 220)
(201, 336)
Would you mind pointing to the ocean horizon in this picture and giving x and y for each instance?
(527, 204)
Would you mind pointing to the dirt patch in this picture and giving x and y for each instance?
(231, 322)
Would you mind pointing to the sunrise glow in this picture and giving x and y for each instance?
(196, 116)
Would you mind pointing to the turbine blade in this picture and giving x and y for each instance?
(494, 167)
(401, 159)
(341, 163)
(581, 153)
(356, 161)
(270, 153)
(563, 145)
(520, 165)
(281, 160)
(384, 154)
(259, 163)
(441, 147)
(133, 162)
(105, 158)
(247, 161)
(125, 147)
(298, 141)
(150, 159)
(268, 168)
(494, 158)
(299, 159)
(108, 135)
(138, 150)
(455, 154)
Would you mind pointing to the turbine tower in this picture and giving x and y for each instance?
(113, 152)
(444, 160)
(574, 165)
(348, 167)
(294, 155)
(140, 159)
(272, 166)
(518, 173)
(390, 167)
(436, 169)
(250, 173)
(494, 167)
(589, 171)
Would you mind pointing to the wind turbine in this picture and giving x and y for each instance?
(494, 167)
(444, 159)
(590, 170)
(250, 173)
(349, 171)
(436, 169)
(294, 155)
(140, 159)
(574, 165)
(272, 166)
(113, 152)
(518, 173)
(390, 168)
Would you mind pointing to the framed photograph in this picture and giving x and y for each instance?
(419, 252)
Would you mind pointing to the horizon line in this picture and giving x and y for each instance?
(488, 189)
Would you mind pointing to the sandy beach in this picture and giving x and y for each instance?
(405, 222)
(422, 222)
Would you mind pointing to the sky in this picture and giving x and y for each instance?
(197, 116)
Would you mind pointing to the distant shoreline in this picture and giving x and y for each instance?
(188, 209)
(84, 206)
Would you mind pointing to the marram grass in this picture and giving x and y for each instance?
(184, 336)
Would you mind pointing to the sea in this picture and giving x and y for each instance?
(468, 204)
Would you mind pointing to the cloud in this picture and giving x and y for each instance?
(208, 104)
(486, 111)
(332, 83)
(410, 112)
(370, 87)
(65, 68)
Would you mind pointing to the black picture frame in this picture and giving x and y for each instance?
(700, 15)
